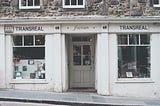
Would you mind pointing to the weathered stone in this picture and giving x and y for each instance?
(137, 12)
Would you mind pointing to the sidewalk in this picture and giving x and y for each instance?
(74, 98)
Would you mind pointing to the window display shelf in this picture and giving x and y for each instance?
(28, 81)
(134, 80)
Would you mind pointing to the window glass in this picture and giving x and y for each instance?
(145, 39)
(133, 39)
(134, 60)
(28, 40)
(17, 40)
(29, 62)
(37, 2)
(39, 40)
(67, 2)
(29, 4)
(156, 1)
(80, 2)
(73, 2)
(122, 39)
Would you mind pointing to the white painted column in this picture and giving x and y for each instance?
(53, 61)
(102, 64)
(64, 63)
(9, 61)
(2, 61)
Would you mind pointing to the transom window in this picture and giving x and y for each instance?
(133, 56)
(156, 3)
(29, 4)
(29, 57)
(73, 3)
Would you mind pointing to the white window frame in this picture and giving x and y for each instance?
(148, 79)
(28, 7)
(74, 6)
(156, 5)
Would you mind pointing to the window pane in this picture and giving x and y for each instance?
(76, 54)
(73, 2)
(39, 40)
(156, 1)
(37, 2)
(145, 39)
(30, 2)
(28, 40)
(67, 2)
(29, 52)
(80, 2)
(17, 40)
(133, 39)
(134, 62)
(86, 55)
(23, 3)
(122, 39)
(76, 39)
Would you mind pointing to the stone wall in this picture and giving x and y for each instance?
(10, 8)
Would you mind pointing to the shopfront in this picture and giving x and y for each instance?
(111, 58)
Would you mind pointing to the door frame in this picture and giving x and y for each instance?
(70, 54)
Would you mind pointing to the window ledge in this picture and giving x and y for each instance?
(28, 81)
(134, 80)
(76, 6)
(156, 5)
(29, 7)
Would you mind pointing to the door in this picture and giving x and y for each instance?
(82, 62)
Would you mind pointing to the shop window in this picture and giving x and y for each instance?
(29, 57)
(73, 3)
(156, 3)
(29, 4)
(133, 56)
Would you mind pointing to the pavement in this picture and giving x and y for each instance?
(73, 98)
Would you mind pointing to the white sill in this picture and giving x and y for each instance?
(134, 80)
(74, 6)
(28, 81)
(156, 5)
(29, 7)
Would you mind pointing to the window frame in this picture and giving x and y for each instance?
(134, 79)
(34, 45)
(156, 5)
(73, 6)
(29, 7)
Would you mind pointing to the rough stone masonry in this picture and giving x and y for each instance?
(50, 8)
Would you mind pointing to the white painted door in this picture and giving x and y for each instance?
(82, 62)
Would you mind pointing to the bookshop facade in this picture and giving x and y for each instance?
(108, 56)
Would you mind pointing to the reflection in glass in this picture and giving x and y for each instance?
(28, 40)
(23, 3)
(73, 2)
(133, 39)
(76, 54)
(76, 50)
(77, 60)
(39, 40)
(80, 2)
(17, 40)
(122, 39)
(30, 2)
(37, 2)
(86, 55)
(134, 59)
(67, 2)
(145, 39)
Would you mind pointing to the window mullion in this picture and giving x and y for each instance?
(27, 2)
(128, 39)
(77, 2)
(33, 3)
(70, 2)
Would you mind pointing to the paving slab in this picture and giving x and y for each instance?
(74, 98)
